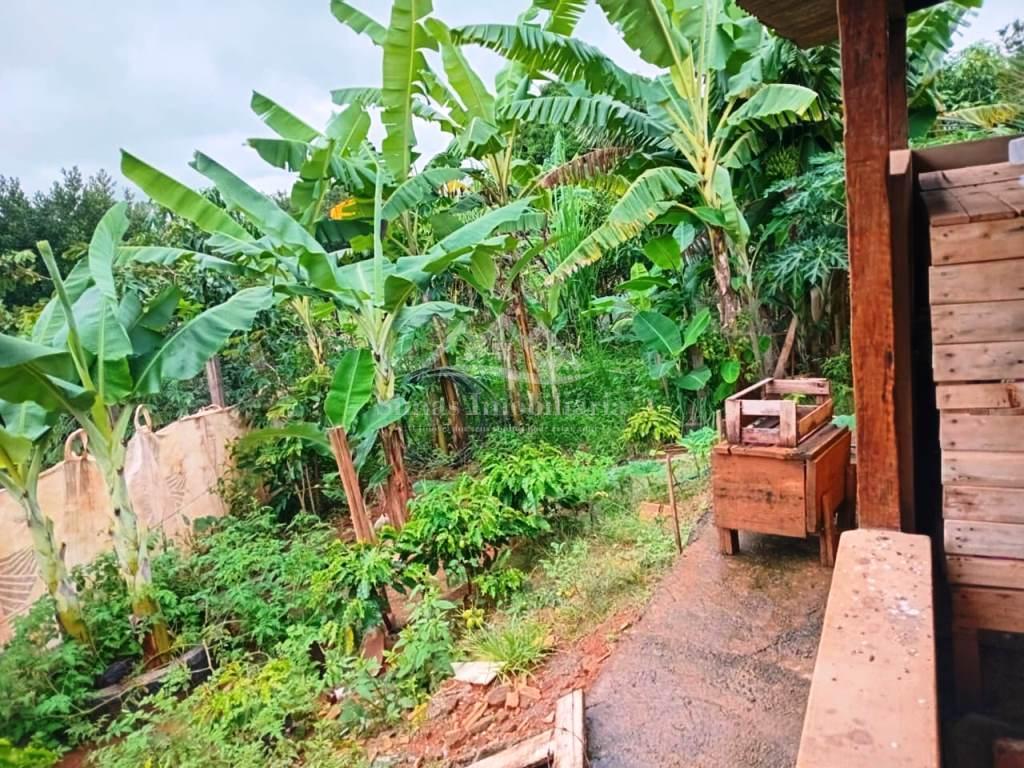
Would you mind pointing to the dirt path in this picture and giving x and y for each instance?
(717, 671)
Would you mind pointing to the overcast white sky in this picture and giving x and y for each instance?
(162, 78)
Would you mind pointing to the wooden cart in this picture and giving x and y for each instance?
(782, 468)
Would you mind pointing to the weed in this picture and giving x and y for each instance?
(518, 645)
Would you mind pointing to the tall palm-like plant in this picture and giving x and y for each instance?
(706, 116)
(376, 293)
(98, 351)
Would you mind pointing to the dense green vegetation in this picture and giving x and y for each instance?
(501, 332)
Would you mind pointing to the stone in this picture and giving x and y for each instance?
(476, 672)
(496, 696)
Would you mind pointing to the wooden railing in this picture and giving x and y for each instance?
(873, 701)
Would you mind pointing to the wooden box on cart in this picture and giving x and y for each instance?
(795, 492)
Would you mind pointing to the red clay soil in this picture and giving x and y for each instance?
(717, 671)
(461, 726)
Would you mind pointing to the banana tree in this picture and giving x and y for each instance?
(375, 293)
(711, 109)
(25, 434)
(481, 129)
(121, 349)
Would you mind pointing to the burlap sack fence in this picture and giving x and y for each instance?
(173, 475)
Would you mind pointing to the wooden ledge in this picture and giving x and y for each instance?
(873, 700)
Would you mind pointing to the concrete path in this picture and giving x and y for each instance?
(717, 671)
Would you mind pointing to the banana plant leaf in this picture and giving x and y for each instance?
(351, 388)
(658, 333)
(37, 373)
(180, 199)
(184, 353)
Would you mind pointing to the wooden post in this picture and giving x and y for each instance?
(215, 382)
(899, 134)
(350, 482)
(864, 50)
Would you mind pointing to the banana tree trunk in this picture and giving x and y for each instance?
(440, 438)
(556, 397)
(533, 390)
(508, 361)
(456, 417)
(728, 301)
(398, 491)
(350, 482)
(53, 570)
(129, 535)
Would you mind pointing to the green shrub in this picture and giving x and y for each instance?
(247, 715)
(352, 586)
(699, 443)
(500, 584)
(541, 477)
(46, 681)
(29, 757)
(458, 527)
(249, 579)
(651, 427)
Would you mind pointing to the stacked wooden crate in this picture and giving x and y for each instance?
(977, 308)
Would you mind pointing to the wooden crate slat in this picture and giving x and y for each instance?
(809, 386)
(759, 494)
(972, 537)
(984, 281)
(985, 571)
(988, 608)
(944, 209)
(978, 322)
(981, 205)
(977, 396)
(974, 502)
(969, 176)
(983, 468)
(979, 242)
(826, 475)
(761, 407)
(993, 360)
(1011, 193)
(818, 416)
(974, 432)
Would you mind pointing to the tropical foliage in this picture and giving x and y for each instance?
(453, 360)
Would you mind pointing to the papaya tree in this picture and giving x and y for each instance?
(26, 430)
(118, 349)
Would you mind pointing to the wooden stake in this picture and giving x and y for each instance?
(215, 382)
(672, 502)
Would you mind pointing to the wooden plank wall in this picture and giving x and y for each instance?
(976, 286)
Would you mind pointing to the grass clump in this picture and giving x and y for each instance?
(518, 644)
